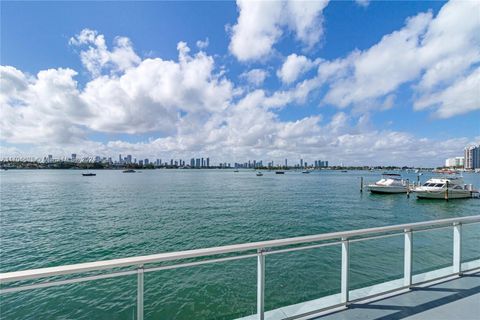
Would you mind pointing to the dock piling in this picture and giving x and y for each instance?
(446, 191)
(408, 188)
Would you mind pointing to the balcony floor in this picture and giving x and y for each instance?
(453, 299)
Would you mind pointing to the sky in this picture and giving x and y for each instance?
(352, 82)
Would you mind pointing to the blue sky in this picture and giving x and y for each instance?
(37, 36)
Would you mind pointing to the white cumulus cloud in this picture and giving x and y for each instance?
(255, 77)
(96, 57)
(294, 66)
(261, 24)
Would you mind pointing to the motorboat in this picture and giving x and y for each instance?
(89, 174)
(259, 174)
(236, 170)
(444, 188)
(279, 172)
(306, 171)
(390, 183)
(129, 171)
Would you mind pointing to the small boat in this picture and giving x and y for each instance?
(390, 183)
(279, 172)
(306, 171)
(259, 174)
(235, 170)
(129, 171)
(89, 174)
(344, 171)
(444, 188)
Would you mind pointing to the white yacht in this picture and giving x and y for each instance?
(444, 188)
(390, 183)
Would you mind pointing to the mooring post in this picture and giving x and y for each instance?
(446, 191)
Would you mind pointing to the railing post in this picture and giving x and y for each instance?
(140, 293)
(457, 248)
(407, 260)
(261, 284)
(344, 291)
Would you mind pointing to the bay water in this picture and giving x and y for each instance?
(57, 217)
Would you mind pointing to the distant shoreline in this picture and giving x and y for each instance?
(103, 166)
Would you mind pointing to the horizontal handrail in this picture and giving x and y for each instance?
(205, 252)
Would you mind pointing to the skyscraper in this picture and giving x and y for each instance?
(208, 162)
(476, 158)
(472, 157)
(74, 156)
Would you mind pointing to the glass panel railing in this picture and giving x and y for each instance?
(98, 299)
(432, 254)
(470, 246)
(374, 262)
(301, 276)
(224, 290)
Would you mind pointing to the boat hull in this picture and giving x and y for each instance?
(460, 194)
(386, 189)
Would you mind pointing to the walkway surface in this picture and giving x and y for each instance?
(453, 299)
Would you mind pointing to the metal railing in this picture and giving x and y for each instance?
(262, 248)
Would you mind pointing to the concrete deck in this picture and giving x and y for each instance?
(452, 299)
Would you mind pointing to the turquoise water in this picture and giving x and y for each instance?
(56, 217)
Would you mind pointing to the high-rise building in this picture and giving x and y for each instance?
(286, 163)
(120, 158)
(456, 162)
(50, 158)
(192, 162)
(197, 163)
(472, 157)
(129, 158)
(208, 162)
(476, 157)
(74, 156)
(146, 161)
(301, 163)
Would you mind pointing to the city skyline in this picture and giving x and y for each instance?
(195, 162)
(360, 82)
